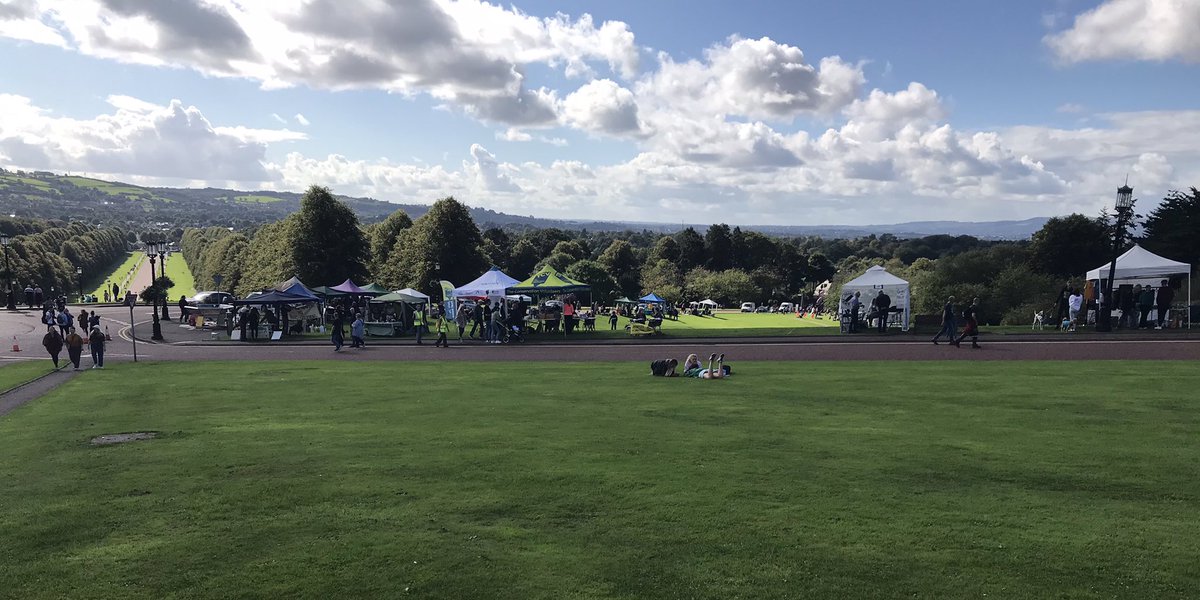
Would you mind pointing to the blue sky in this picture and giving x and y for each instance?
(750, 112)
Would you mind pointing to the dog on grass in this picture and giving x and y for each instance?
(1038, 322)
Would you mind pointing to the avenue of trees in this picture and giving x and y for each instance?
(324, 243)
(46, 253)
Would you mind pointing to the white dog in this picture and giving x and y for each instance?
(1038, 322)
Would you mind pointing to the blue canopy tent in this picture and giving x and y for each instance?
(296, 287)
(652, 299)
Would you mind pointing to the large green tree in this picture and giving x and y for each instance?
(1173, 228)
(383, 241)
(718, 247)
(622, 263)
(596, 275)
(691, 249)
(1070, 245)
(442, 244)
(327, 244)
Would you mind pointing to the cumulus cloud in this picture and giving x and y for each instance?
(302, 120)
(1132, 30)
(489, 173)
(22, 20)
(603, 106)
(138, 139)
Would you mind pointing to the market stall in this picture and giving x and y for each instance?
(1141, 266)
(869, 284)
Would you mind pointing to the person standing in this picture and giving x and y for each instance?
(38, 296)
(74, 344)
(53, 343)
(1166, 295)
(496, 330)
(116, 289)
(419, 322)
(949, 327)
(358, 332)
(441, 326)
(883, 305)
(243, 321)
(613, 315)
(253, 316)
(971, 316)
(1145, 303)
(96, 344)
(855, 303)
(460, 319)
(476, 319)
(1074, 305)
(183, 309)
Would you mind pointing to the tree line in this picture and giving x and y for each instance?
(324, 243)
(46, 253)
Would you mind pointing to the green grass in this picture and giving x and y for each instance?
(116, 275)
(555, 480)
(16, 372)
(255, 199)
(178, 271)
(113, 189)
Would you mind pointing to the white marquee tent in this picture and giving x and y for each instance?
(1140, 263)
(877, 278)
(491, 284)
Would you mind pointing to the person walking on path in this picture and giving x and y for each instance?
(476, 319)
(949, 327)
(1166, 295)
(337, 336)
(96, 343)
(613, 315)
(971, 315)
(358, 330)
(74, 347)
(53, 343)
(65, 321)
(442, 329)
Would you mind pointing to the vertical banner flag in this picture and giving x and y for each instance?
(448, 303)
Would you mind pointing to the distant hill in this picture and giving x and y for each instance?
(46, 195)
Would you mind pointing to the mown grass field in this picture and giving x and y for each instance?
(181, 275)
(16, 372)
(560, 480)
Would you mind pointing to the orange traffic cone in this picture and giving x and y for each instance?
(16, 347)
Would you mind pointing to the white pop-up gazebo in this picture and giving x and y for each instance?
(1140, 263)
(877, 278)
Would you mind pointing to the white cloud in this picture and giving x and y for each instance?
(603, 106)
(279, 119)
(1132, 30)
(22, 20)
(1071, 108)
(489, 173)
(302, 120)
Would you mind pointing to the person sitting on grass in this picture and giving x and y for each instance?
(664, 368)
(720, 372)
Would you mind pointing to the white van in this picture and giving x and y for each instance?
(786, 307)
(748, 307)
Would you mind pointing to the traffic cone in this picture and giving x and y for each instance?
(16, 347)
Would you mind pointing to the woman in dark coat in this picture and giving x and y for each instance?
(53, 343)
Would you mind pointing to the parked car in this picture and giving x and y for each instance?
(762, 309)
(785, 307)
(202, 299)
(748, 307)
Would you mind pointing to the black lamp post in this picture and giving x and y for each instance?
(1124, 212)
(162, 264)
(79, 282)
(156, 329)
(12, 292)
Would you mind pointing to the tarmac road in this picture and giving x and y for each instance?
(24, 325)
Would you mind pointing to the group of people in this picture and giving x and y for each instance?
(970, 329)
(1135, 302)
(692, 367)
(881, 309)
(54, 342)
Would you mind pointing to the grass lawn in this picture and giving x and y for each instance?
(178, 271)
(553, 480)
(16, 372)
(119, 275)
(255, 199)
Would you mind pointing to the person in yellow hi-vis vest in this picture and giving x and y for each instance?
(442, 327)
(419, 322)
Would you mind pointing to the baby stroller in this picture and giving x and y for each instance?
(513, 335)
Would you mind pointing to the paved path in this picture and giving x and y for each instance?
(34, 390)
(143, 278)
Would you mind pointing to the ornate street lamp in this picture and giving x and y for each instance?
(12, 292)
(156, 329)
(162, 264)
(1124, 213)
(79, 282)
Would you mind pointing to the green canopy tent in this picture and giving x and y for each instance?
(374, 289)
(549, 282)
(327, 292)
